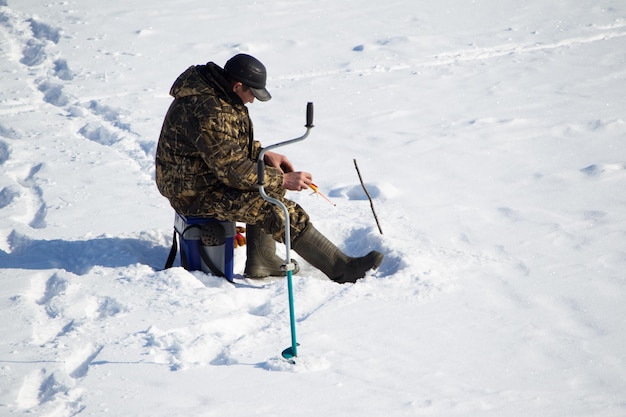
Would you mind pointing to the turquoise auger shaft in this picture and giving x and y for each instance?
(290, 352)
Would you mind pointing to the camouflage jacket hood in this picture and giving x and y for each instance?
(201, 80)
(206, 146)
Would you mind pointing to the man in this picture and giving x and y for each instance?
(206, 166)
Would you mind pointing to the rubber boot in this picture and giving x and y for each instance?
(313, 247)
(261, 258)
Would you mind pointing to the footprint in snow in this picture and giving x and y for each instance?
(596, 170)
(4, 152)
(8, 194)
(53, 94)
(109, 114)
(33, 53)
(45, 32)
(100, 134)
(77, 365)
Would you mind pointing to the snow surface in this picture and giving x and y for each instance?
(490, 133)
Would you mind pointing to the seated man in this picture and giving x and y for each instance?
(206, 166)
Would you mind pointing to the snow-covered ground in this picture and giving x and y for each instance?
(491, 136)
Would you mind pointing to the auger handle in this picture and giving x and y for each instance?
(261, 163)
(309, 115)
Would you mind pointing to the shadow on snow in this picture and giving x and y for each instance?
(80, 256)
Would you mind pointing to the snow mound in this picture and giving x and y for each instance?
(376, 190)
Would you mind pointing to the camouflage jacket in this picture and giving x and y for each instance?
(206, 143)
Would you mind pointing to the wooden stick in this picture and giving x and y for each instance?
(368, 196)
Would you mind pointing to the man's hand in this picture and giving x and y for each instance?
(279, 161)
(297, 181)
(294, 181)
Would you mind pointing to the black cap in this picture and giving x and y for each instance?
(251, 72)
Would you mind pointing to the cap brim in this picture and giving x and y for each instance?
(261, 94)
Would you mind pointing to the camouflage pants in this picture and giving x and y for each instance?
(230, 204)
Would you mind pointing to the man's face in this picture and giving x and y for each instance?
(243, 92)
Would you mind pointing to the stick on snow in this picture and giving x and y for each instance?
(368, 196)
